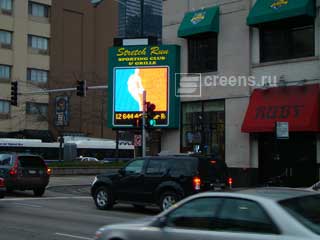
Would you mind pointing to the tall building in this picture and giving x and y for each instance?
(82, 35)
(25, 39)
(130, 18)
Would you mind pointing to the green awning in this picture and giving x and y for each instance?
(199, 21)
(265, 11)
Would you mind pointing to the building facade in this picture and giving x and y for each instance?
(257, 64)
(25, 35)
(130, 18)
(82, 35)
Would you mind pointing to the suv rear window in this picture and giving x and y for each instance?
(31, 161)
(5, 160)
(183, 166)
(213, 169)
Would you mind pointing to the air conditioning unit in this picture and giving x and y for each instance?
(6, 12)
(43, 51)
(6, 46)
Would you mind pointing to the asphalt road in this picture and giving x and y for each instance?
(65, 212)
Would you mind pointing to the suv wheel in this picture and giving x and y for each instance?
(38, 192)
(167, 199)
(103, 198)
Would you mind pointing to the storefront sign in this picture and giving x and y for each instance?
(62, 111)
(282, 130)
(279, 4)
(278, 112)
(135, 69)
(198, 17)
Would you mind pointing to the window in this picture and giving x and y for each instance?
(5, 39)
(306, 210)
(40, 109)
(4, 107)
(6, 6)
(196, 214)
(157, 166)
(39, 43)
(240, 215)
(5, 72)
(5, 159)
(286, 43)
(203, 126)
(38, 10)
(203, 53)
(135, 166)
(37, 75)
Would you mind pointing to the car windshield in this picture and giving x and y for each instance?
(306, 210)
(31, 161)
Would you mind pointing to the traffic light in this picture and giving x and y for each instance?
(81, 88)
(150, 121)
(14, 93)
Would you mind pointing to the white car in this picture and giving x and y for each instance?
(254, 214)
(89, 159)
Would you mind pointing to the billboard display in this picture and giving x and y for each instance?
(135, 69)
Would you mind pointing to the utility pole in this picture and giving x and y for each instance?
(144, 97)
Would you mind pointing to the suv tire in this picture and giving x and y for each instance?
(38, 192)
(167, 199)
(103, 198)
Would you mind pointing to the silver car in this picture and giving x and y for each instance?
(255, 214)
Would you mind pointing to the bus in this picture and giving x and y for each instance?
(71, 149)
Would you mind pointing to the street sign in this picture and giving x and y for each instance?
(282, 130)
(137, 140)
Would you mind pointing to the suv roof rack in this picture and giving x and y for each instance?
(167, 153)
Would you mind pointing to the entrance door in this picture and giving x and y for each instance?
(293, 161)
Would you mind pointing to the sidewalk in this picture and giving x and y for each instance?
(72, 180)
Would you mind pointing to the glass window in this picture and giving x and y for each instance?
(5, 72)
(196, 214)
(6, 5)
(203, 126)
(5, 160)
(30, 161)
(36, 42)
(157, 166)
(279, 43)
(135, 166)
(5, 38)
(37, 109)
(4, 106)
(203, 53)
(306, 210)
(38, 10)
(37, 75)
(239, 215)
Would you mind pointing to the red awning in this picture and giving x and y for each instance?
(297, 105)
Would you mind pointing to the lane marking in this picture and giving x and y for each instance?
(73, 236)
(28, 205)
(43, 198)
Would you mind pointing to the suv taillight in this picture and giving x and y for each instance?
(230, 181)
(48, 171)
(14, 170)
(196, 183)
(2, 182)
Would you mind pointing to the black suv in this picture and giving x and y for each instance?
(161, 180)
(24, 172)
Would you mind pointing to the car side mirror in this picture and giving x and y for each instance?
(316, 187)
